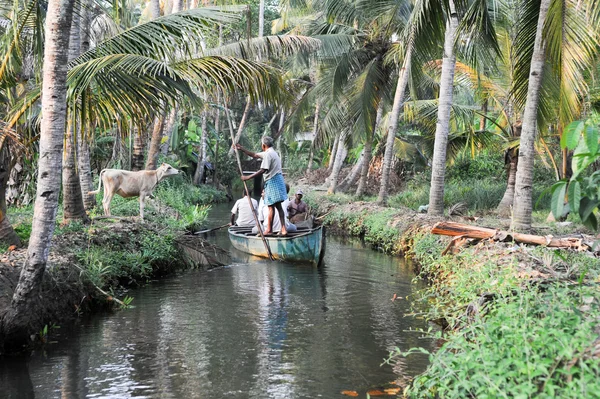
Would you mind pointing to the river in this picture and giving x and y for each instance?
(252, 329)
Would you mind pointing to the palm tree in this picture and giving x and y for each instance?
(438, 166)
(523, 205)
(22, 317)
(73, 207)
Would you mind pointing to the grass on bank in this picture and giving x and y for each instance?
(112, 253)
(531, 340)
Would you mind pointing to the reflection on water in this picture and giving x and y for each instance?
(254, 329)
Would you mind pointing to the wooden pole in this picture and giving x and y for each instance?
(239, 162)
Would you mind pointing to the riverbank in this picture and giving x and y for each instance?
(91, 266)
(516, 319)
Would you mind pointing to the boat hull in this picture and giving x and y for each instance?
(304, 247)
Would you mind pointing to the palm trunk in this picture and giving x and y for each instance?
(354, 174)
(168, 131)
(7, 233)
(154, 9)
(367, 152)
(154, 150)
(523, 205)
(337, 165)
(314, 135)
(177, 6)
(199, 174)
(73, 207)
(238, 135)
(85, 173)
(137, 157)
(218, 132)
(509, 195)
(261, 18)
(23, 318)
(333, 154)
(393, 126)
(438, 165)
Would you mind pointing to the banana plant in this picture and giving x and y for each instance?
(583, 188)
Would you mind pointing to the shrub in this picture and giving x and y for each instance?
(534, 344)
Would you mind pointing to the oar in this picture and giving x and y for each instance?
(239, 162)
(209, 230)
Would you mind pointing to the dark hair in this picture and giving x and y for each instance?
(287, 188)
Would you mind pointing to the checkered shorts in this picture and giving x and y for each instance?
(275, 190)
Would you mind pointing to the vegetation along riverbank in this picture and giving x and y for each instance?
(91, 265)
(510, 317)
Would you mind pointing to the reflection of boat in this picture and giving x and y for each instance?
(305, 245)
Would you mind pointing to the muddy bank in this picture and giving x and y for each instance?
(90, 268)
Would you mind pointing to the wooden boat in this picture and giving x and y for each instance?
(305, 245)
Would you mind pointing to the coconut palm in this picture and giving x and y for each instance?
(21, 317)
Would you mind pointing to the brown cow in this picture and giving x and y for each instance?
(131, 184)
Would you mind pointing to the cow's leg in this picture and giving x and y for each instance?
(108, 194)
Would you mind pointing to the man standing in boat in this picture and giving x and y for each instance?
(275, 192)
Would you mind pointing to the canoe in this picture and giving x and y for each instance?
(305, 245)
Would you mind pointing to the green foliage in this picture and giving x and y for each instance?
(583, 191)
(458, 279)
(136, 260)
(488, 164)
(532, 344)
(23, 230)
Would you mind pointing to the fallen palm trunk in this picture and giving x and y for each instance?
(460, 230)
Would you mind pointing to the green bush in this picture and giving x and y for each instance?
(479, 195)
(532, 344)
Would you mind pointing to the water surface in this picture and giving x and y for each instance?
(253, 329)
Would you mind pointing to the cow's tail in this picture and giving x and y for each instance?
(99, 184)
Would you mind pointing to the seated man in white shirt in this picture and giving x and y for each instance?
(244, 213)
(263, 214)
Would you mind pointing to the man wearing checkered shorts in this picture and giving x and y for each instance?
(275, 192)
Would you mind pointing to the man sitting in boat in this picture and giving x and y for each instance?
(245, 216)
(297, 209)
(263, 214)
(275, 192)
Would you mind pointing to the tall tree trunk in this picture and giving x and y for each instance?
(238, 135)
(338, 163)
(85, 173)
(393, 125)
(314, 135)
(23, 317)
(154, 9)
(137, 156)
(7, 233)
(438, 164)
(73, 207)
(482, 119)
(177, 6)
(523, 205)
(333, 153)
(354, 174)
(199, 174)
(168, 131)
(367, 152)
(83, 147)
(154, 150)
(512, 159)
(218, 135)
(261, 18)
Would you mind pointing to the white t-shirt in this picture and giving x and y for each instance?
(271, 162)
(242, 208)
(263, 214)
